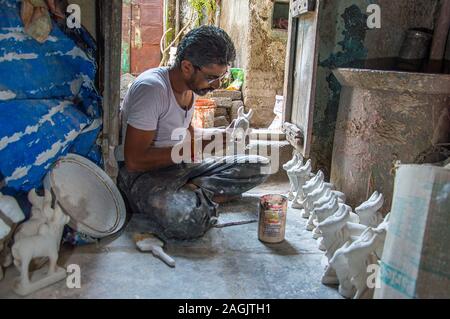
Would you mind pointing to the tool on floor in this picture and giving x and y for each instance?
(244, 222)
(149, 242)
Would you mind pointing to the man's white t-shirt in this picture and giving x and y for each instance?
(150, 105)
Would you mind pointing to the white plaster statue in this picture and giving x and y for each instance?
(287, 167)
(329, 185)
(349, 233)
(366, 250)
(39, 215)
(323, 209)
(241, 126)
(325, 199)
(333, 237)
(311, 198)
(11, 215)
(45, 244)
(351, 246)
(341, 196)
(301, 175)
(340, 266)
(290, 164)
(310, 186)
(368, 211)
(350, 262)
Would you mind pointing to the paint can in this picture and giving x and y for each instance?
(272, 218)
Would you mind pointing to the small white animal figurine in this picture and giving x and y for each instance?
(368, 211)
(39, 214)
(290, 170)
(45, 244)
(333, 238)
(301, 175)
(292, 162)
(340, 265)
(241, 125)
(366, 250)
(323, 209)
(13, 215)
(348, 234)
(351, 260)
(325, 199)
(311, 198)
(310, 186)
(341, 196)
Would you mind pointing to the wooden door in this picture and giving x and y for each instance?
(300, 76)
(142, 32)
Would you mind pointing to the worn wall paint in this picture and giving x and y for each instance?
(234, 19)
(125, 65)
(345, 41)
(266, 63)
(348, 51)
(385, 117)
(126, 36)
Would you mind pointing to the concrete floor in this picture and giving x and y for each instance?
(227, 263)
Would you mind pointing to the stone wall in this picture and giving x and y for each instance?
(261, 52)
(266, 63)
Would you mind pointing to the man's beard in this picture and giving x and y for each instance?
(200, 92)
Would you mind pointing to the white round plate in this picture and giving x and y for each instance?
(88, 195)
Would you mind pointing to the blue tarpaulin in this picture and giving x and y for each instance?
(49, 105)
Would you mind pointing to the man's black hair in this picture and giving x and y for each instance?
(206, 45)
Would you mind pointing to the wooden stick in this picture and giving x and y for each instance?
(236, 223)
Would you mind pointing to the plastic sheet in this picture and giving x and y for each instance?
(48, 102)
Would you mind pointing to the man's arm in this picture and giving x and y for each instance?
(141, 155)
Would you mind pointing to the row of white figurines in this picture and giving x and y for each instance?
(37, 238)
(351, 240)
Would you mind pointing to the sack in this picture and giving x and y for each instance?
(416, 256)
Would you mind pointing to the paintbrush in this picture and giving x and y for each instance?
(148, 242)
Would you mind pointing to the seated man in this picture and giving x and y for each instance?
(180, 197)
